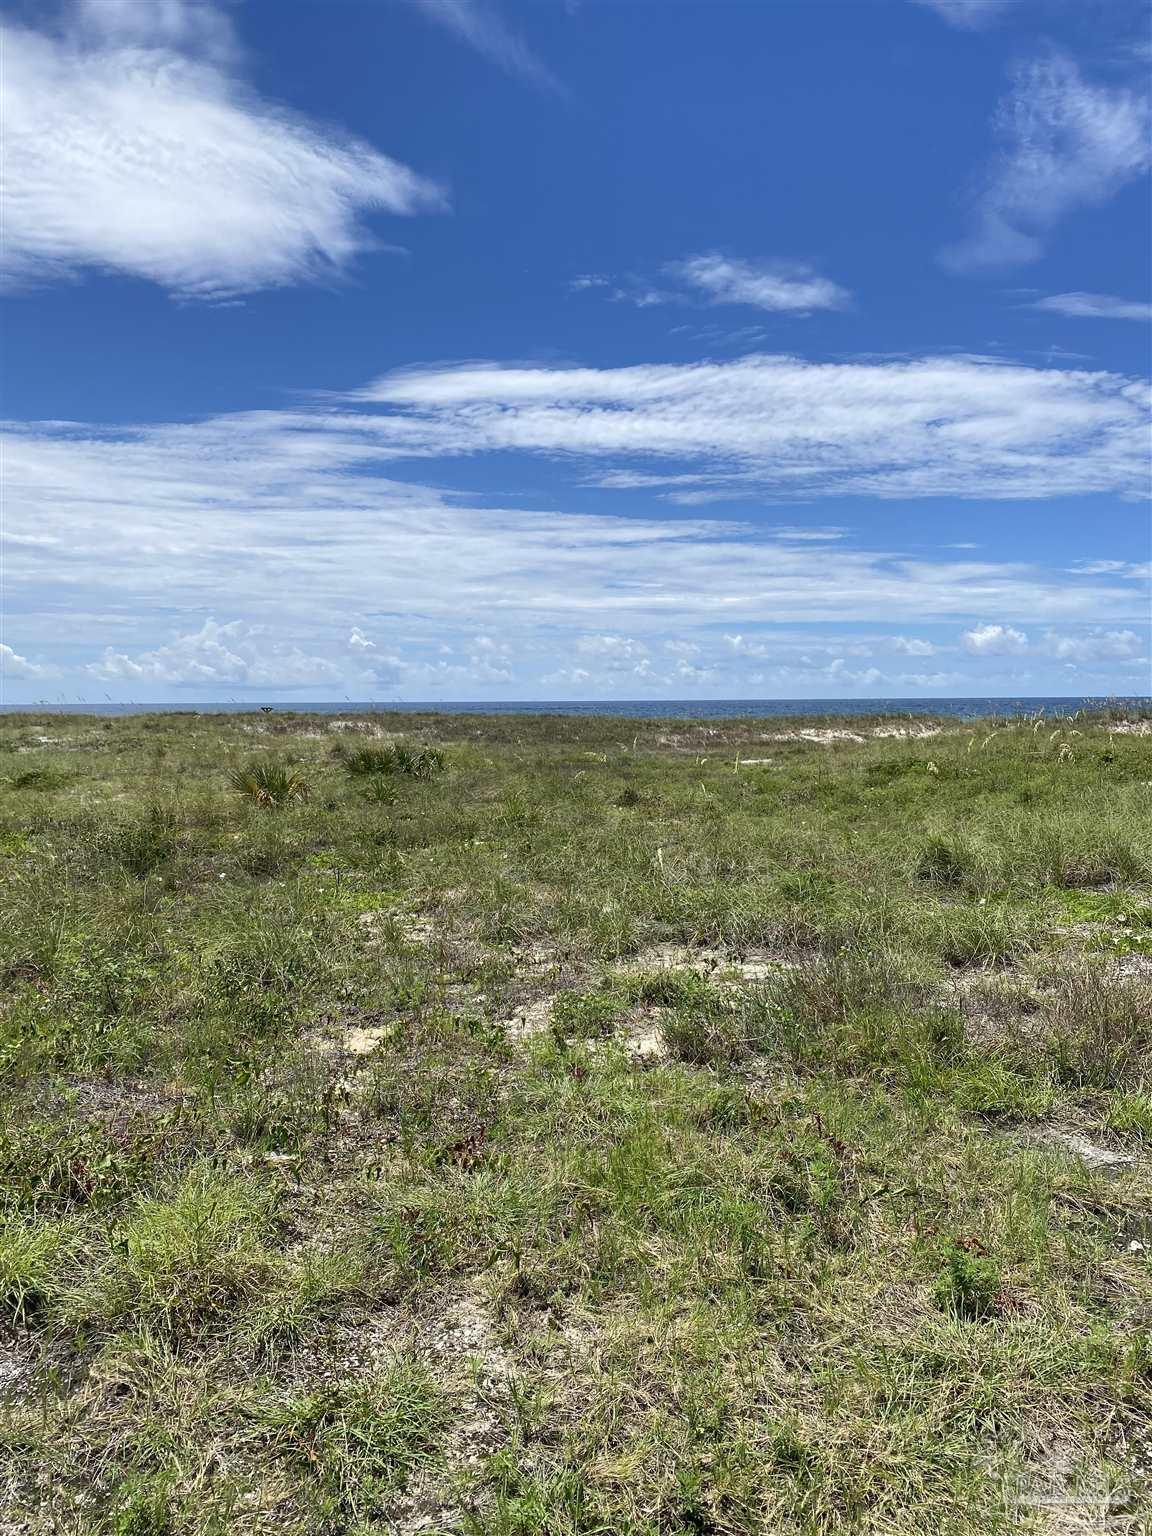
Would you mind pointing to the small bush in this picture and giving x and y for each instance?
(143, 1510)
(586, 1015)
(194, 1255)
(143, 847)
(705, 1040)
(42, 778)
(965, 936)
(671, 989)
(395, 758)
(941, 863)
(360, 1444)
(970, 1284)
(270, 783)
(1132, 1112)
(29, 1257)
(1102, 1032)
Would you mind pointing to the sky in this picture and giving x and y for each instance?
(575, 349)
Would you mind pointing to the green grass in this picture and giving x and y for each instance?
(527, 1126)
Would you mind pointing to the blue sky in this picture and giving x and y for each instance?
(421, 349)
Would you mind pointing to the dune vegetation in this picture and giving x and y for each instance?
(539, 1126)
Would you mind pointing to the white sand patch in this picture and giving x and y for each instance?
(413, 929)
(360, 1041)
(907, 732)
(644, 1037)
(828, 735)
(825, 735)
(716, 964)
(531, 1020)
(353, 1039)
(1095, 1157)
(364, 728)
(462, 1343)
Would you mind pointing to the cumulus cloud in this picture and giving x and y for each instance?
(1065, 142)
(616, 653)
(994, 640)
(130, 147)
(774, 286)
(935, 426)
(1094, 306)
(357, 641)
(1095, 645)
(913, 647)
(838, 671)
(483, 28)
(13, 665)
(235, 655)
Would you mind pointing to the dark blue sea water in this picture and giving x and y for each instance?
(636, 709)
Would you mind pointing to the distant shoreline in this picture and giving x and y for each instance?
(633, 709)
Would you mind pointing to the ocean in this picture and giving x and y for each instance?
(636, 709)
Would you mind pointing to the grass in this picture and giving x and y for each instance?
(546, 1127)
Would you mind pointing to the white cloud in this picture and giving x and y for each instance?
(13, 665)
(943, 426)
(1094, 645)
(994, 640)
(1128, 570)
(779, 287)
(967, 13)
(839, 671)
(360, 642)
(809, 535)
(482, 28)
(1089, 645)
(293, 522)
(932, 680)
(198, 27)
(616, 653)
(1066, 142)
(1094, 306)
(129, 148)
(913, 647)
(234, 655)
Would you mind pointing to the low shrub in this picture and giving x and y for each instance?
(395, 758)
(969, 1286)
(270, 783)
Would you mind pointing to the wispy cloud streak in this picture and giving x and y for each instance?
(1066, 142)
(483, 28)
(1094, 306)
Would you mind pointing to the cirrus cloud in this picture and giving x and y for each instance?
(933, 426)
(129, 147)
(1065, 142)
(1094, 306)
